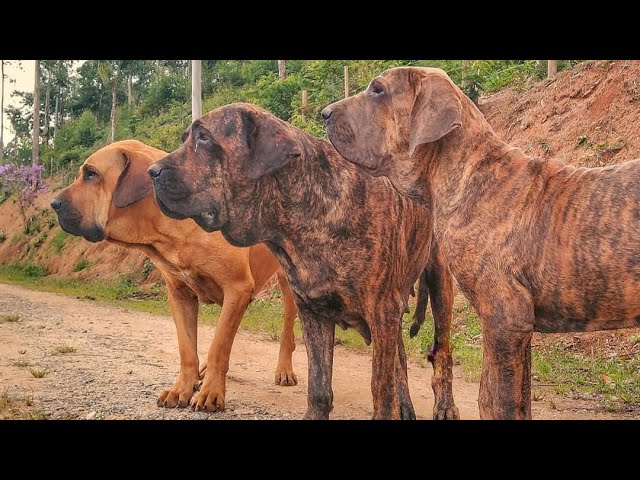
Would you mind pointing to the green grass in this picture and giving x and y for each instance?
(33, 227)
(27, 271)
(81, 265)
(9, 318)
(18, 237)
(59, 240)
(614, 380)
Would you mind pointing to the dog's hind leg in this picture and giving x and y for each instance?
(318, 337)
(184, 308)
(439, 282)
(421, 303)
(211, 395)
(284, 370)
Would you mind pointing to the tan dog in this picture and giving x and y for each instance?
(111, 199)
(536, 245)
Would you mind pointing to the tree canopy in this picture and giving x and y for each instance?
(152, 98)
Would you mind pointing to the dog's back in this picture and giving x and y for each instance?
(588, 273)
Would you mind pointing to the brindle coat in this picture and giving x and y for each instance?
(111, 200)
(535, 245)
(350, 246)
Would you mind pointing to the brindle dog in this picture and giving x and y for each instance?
(350, 246)
(536, 245)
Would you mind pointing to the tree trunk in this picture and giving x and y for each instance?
(47, 98)
(552, 68)
(196, 89)
(35, 155)
(114, 102)
(61, 110)
(56, 116)
(282, 70)
(129, 90)
(1, 110)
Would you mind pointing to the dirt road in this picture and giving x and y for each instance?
(123, 359)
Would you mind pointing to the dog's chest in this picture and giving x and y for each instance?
(317, 285)
(204, 287)
(207, 290)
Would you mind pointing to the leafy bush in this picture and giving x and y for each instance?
(164, 91)
(35, 270)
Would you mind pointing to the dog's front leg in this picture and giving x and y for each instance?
(318, 337)
(184, 308)
(505, 385)
(388, 380)
(211, 396)
(284, 370)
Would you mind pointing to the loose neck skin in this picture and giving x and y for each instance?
(308, 193)
(137, 228)
(464, 163)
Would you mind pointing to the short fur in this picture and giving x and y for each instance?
(350, 246)
(116, 205)
(535, 245)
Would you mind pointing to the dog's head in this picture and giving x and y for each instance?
(112, 179)
(222, 173)
(402, 111)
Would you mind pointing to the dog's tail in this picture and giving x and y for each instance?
(421, 304)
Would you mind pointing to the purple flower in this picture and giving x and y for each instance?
(24, 180)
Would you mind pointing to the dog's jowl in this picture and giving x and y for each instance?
(350, 246)
(536, 245)
(111, 199)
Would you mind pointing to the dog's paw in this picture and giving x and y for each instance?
(450, 413)
(177, 396)
(209, 399)
(285, 377)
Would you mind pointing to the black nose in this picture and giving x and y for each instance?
(155, 170)
(326, 113)
(56, 204)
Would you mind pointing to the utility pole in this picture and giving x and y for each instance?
(196, 89)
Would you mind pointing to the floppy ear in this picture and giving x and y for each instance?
(134, 182)
(271, 145)
(436, 112)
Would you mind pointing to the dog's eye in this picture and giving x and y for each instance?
(376, 91)
(202, 137)
(90, 175)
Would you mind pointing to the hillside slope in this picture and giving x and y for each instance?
(585, 116)
(59, 254)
